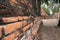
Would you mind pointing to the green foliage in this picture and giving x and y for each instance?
(47, 10)
(52, 6)
(56, 9)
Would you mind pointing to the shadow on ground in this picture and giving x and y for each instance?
(49, 33)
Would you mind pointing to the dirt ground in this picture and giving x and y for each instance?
(49, 33)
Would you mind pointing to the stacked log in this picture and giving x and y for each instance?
(19, 7)
(34, 31)
(15, 8)
(16, 29)
(14, 19)
(11, 26)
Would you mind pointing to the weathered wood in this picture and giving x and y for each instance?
(9, 19)
(11, 27)
(0, 31)
(27, 27)
(13, 19)
(12, 36)
(34, 31)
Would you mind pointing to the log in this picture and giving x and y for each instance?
(0, 31)
(34, 31)
(11, 27)
(24, 23)
(9, 19)
(25, 17)
(11, 36)
(27, 27)
(13, 19)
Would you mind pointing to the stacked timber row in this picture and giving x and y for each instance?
(33, 31)
(19, 7)
(14, 28)
(15, 18)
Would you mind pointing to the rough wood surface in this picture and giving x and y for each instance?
(34, 31)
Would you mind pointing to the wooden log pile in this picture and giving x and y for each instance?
(32, 33)
(19, 7)
(11, 26)
(15, 27)
(13, 20)
(35, 30)
(15, 8)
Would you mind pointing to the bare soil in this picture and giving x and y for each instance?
(48, 33)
